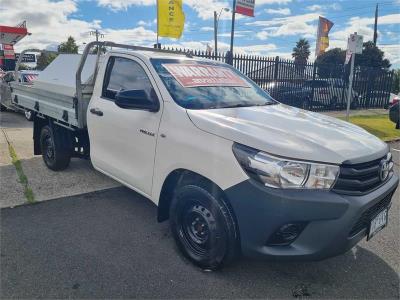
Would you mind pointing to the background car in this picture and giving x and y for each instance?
(330, 93)
(393, 99)
(290, 93)
(394, 114)
(26, 77)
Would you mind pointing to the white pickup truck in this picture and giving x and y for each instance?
(232, 169)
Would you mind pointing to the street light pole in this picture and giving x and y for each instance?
(232, 32)
(216, 20)
(215, 32)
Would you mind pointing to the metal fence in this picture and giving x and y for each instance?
(312, 86)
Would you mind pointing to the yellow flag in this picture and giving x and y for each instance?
(171, 18)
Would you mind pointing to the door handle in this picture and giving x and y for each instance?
(96, 111)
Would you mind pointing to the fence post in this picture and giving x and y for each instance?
(314, 74)
(276, 70)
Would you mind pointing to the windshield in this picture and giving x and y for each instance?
(224, 87)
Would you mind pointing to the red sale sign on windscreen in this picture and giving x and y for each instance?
(194, 75)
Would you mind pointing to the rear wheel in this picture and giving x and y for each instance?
(2, 107)
(55, 147)
(203, 227)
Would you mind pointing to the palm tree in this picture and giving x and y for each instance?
(301, 52)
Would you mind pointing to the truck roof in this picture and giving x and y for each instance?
(156, 54)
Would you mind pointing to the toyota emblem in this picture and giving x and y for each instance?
(384, 170)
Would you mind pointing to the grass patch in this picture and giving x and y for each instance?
(378, 125)
(30, 197)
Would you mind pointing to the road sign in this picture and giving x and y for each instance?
(355, 43)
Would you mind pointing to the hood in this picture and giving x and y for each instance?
(290, 132)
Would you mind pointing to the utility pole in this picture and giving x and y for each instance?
(376, 25)
(215, 32)
(232, 32)
(98, 35)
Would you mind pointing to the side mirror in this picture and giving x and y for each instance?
(135, 99)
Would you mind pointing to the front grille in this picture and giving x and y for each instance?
(369, 214)
(356, 179)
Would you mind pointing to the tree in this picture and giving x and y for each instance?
(45, 59)
(396, 82)
(23, 67)
(372, 56)
(334, 56)
(301, 52)
(95, 49)
(69, 46)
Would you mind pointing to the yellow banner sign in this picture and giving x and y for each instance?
(171, 18)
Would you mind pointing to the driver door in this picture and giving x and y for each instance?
(123, 141)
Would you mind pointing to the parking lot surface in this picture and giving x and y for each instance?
(103, 241)
(79, 178)
(108, 245)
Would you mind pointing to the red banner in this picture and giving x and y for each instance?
(245, 7)
(195, 75)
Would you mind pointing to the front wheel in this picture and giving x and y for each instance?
(55, 147)
(203, 227)
(2, 107)
(28, 115)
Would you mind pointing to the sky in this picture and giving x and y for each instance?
(274, 30)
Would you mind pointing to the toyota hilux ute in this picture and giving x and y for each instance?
(233, 170)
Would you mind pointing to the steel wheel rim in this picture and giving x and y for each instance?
(28, 114)
(49, 148)
(197, 228)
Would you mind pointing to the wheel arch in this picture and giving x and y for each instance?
(179, 177)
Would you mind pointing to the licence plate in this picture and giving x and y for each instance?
(378, 223)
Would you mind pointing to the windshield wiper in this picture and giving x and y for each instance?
(244, 105)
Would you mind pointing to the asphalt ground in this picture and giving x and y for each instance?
(108, 244)
(80, 177)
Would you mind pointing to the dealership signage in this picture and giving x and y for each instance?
(8, 51)
(245, 7)
(196, 75)
(27, 58)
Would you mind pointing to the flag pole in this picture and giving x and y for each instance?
(157, 24)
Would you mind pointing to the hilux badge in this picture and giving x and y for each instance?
(384, 170)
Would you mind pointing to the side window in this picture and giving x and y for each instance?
(125, 74)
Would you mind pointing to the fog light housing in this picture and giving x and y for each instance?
(286, 234)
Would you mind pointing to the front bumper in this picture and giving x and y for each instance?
(330, 217)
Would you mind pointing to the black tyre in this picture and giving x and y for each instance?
(29, 115)
(203, 227)
(55, 145)
(2, 107)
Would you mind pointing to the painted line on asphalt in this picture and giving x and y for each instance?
(23, 180)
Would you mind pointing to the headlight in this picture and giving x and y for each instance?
(284, 173)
